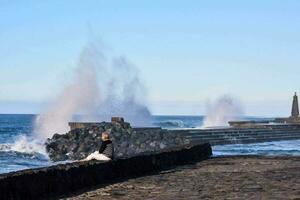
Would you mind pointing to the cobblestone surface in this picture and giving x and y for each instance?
(217, 178)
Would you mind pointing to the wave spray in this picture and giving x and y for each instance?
(101, 87)
(225, 108)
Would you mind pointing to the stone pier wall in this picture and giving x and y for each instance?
(128, 141)
(265, 133)
(67, 178)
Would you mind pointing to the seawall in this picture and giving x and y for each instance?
(262, 133)
(63, 179)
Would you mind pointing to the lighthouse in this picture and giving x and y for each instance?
(294, 118)
(295, 107)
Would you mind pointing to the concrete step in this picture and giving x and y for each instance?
(242, 138)
(238, 130)
(241, 135)
(244, 134)
(244, 141)
(214, 137)
(279, 134)
(217, 131)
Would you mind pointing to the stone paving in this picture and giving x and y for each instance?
(249, 177)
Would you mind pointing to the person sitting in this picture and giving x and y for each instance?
(106, 150)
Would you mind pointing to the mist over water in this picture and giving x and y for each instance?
(223, 109)
(81, 94)
(125, 94)
(102, 87)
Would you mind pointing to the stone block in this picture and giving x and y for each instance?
(117, 120)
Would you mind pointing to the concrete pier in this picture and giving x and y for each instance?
(67, 178)
(265, 133)
(234, 177)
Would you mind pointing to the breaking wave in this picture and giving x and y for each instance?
(171, 124)
(24, 145)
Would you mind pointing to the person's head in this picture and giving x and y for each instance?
(105, 136)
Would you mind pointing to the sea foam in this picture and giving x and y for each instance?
(24, 144)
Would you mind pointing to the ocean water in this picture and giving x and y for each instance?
(20, 149)
(278, 148)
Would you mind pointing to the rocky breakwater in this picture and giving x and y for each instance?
(128, 141)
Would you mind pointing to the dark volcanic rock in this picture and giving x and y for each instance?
(127, 141)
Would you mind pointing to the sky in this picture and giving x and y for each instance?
(188, 52)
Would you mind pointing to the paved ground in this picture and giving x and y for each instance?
(217, 178)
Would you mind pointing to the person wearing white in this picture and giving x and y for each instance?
(105, 152)
(97, 156)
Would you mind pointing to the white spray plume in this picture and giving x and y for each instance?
(226, 108)
(99, 90)
(80, 95)
(125, 94)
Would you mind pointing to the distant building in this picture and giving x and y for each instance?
(293, 119)
(295, 107)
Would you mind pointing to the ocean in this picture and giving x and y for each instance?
(20, 149)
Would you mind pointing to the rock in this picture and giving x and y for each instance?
(162, 145)
(152, 144)
(127, 141)
(117, 120)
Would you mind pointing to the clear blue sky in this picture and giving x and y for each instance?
(187, 51)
